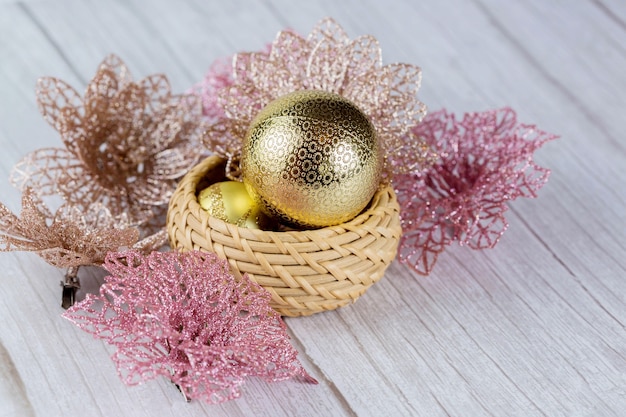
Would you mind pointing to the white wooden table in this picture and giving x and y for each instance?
(534, 327)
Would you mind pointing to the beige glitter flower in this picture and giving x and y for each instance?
(126, 143)
(71, 237)
(327, 59)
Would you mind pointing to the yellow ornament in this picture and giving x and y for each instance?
(312, 159)
(230, 201)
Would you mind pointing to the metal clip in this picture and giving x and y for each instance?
(182, 391)
(70, 286)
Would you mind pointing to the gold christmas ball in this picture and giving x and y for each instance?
(230, 201)
(311, 159)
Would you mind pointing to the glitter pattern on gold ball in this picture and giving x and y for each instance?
(312, 159)
(229, 201)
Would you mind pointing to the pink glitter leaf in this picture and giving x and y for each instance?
(217, 77)
(423, 245)
(325, 71)
(288, 59)
(484, 161)
(184, 316)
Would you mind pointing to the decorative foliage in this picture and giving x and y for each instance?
(70, 238)
(326, 60)
(485, 160)
(185, 317)
(218, 76)
(126, 143)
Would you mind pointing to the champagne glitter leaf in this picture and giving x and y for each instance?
(72, 237)
(59, 103)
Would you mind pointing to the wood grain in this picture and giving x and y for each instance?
(533, 327)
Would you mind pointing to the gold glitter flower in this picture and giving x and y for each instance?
(126, 143)
(326, 60)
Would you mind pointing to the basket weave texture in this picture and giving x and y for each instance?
(307, 271)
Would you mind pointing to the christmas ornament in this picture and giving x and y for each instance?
(328, 60)
(306, 271)
(485, 160)
(230, 201)
(312, 159)
(126, 142)
(71, 237)
(68, 238)
(184, 316)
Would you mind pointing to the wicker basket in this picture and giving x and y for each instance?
(307, 271)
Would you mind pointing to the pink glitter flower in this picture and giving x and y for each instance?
(218, 76)
(328, 60)
(185, 317)
(484, 161)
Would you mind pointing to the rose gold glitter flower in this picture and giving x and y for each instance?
(326, 60)
(71, 237)
(185, 317)
(126, 142)
(485, 160)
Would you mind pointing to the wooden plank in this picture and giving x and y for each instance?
(532, 327)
